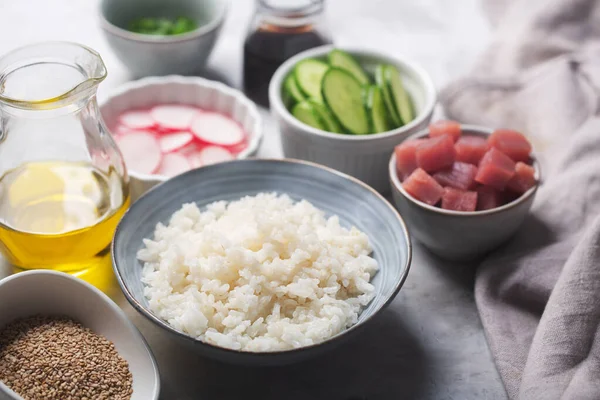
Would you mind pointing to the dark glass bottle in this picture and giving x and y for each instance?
(279, 30)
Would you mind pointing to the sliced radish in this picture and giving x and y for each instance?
(217, 129)
(140, 151)
(213, 155)
(238, 148)
(173, 164)
(159, 130)
(174, 141)
(190, 149)
(174, 116)
(122, 130)
(137, 119)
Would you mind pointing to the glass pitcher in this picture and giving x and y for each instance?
(63, 182)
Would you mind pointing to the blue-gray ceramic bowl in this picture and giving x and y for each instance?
(354, 202)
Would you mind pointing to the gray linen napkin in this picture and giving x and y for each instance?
(539, 295)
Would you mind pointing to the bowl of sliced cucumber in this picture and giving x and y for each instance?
(347, 108)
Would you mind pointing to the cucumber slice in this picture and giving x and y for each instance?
(400, 96)
(343, 95)
(387, 96)
(291, 92)
(305, 112)
(309, 74)
(327, 117)
(341, 59)
(377, 110)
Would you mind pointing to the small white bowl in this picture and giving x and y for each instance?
(56, 293)
(195, 91)
(458, 235)
(363, 156)
(146, 55)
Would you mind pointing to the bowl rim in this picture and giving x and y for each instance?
(127, 87)
(426, 82)
(107, 300)
(473, 130)
(159, 322)
(202, 30)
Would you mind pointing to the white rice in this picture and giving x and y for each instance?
(259, 274)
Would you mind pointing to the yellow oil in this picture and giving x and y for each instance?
(61, 216)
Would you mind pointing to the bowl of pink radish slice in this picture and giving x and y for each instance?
(165, 126)
(464, 190)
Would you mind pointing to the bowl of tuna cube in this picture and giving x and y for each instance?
(464, 190)
(347, 108)
(165, 126)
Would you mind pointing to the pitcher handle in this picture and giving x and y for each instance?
(3, 130)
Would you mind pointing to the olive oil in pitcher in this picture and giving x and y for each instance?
(59, 215)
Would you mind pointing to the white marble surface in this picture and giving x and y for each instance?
(429, 343)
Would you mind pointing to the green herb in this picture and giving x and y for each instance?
(162, 26)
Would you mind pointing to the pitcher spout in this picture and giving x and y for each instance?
(49, 75)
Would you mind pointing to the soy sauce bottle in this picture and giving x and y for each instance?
(279, 30)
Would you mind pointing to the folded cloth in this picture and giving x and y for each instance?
(539, 295)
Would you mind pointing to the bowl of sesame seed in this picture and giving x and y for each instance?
(61, 338)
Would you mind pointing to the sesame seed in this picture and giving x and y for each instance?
(52, 358)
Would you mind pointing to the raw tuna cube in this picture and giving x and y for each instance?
(509, 197)
(459, 200)
(488, 198)
(524, 178)
(440, 128)
(406, 161)
(495, 169)
(436, 154)
(470, 149)
(423, 187)
(511, 143)
(460, 176)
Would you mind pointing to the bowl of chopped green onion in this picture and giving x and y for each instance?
(155, 37)
(161, 26)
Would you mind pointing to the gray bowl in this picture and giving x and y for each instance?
(457, 235)
(354, 202)
(362, 156)
(146, 55)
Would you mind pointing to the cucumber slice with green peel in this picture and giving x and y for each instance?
(387, 96)
(343, 95)
(341, 59)
(305, 112)
(309, 74)
(291, 92)
(327, 117)
(377, 110)
(317, 101)
(400, 96)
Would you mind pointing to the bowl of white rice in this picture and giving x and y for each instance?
(261, 261)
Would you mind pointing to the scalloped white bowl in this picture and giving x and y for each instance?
(57, 293)
(195, 91)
